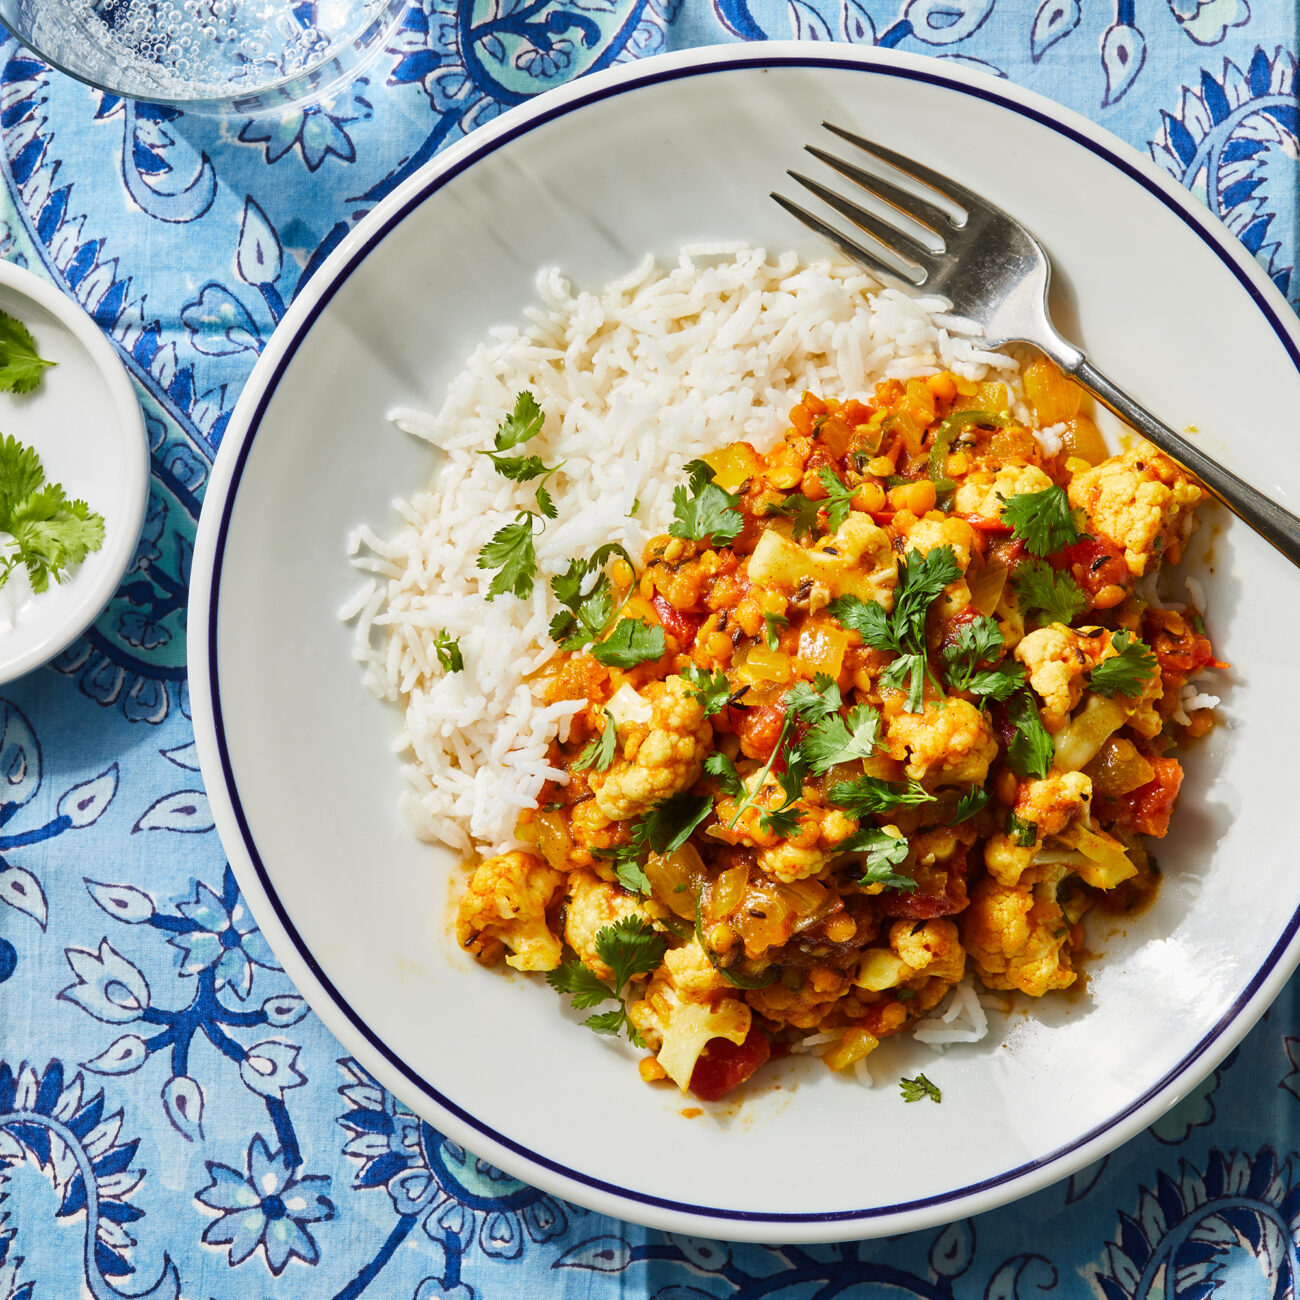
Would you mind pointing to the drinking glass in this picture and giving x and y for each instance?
(242, 56)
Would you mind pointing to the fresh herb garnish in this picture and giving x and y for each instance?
(1022, 833)
(723, 770)
(974, 800)
(1046, 596)
(916, 1089)
(629, 947)
(704, 509)
(668, 825)
(524, 422)
(447, 648)
(1042, 520)
(712, 690)
(979, 642)
(801, 511)
(21, 367)
(883, 852)
(902, 631)
(512, 553)
(839, 498)
(836, 740)
(598, 753)
(50, 532)
(772, 625)
(812, 703)
(866, 795)
(589, 606)
(631, 642)
(1031, 749)
(1128, 671)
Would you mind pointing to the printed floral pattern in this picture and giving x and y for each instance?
(173, 1120)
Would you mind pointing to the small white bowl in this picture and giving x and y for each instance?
(84, 421)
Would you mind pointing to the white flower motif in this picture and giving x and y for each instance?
(224, 936)
(107, 986)
(268, 1068)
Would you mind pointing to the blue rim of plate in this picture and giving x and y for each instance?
(340, 276)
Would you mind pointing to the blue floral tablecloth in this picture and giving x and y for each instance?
(173, 1120)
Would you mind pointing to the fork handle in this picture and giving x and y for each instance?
(1272, 522)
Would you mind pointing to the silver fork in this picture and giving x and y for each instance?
(940, 237)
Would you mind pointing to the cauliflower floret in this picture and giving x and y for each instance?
(933, 949)
(1059, 660)
(1017, 936)
(939, 530)
(948, 742)
(592, 905)
(1136, 500)
(986, 494)
(805, 1006)
(693, 975)
(504, 907)
(658, 759)
(788, 862)
(1049, 805)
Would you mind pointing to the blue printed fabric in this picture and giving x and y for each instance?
(174, 1121)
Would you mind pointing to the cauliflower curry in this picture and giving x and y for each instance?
(885, 707)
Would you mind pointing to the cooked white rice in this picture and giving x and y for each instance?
(958, 1019)
(657, 368)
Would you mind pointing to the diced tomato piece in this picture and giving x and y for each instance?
(758, 730)
(1178, 648)
(724, 1065)
(1147, 809)
(682, 626)
(985, 525)
(1093, 563)
(1154, 802)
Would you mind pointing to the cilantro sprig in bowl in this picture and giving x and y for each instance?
(74, 471)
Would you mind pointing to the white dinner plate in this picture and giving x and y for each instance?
(84, 422)
(297, 756)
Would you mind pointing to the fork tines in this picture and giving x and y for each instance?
(904, 230)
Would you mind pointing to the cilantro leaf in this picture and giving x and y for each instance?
(883, 852)
(1031, 749)
(835, 740)
(974, 800)
(922, 579)
(610, 1022)
(979, 641)
(51, 534)
(580, 984)
(1046, 596)
(512, 553)
(447, 649)
(1127, 672)
(524, 422)
(812, 703)
(598, 754)
(801, 512)
(868, 619)
(772, 625)
(1042, 520)
(21, 367)
(713, 690)
(839, 497)
(703, 509)
(631, 642)
(20, 473)
(907, 672)
(782, 822)
(631, 875)
(668, 825)
(544, 502)
(916, 1089)
(866, 795)
(518, 468)
(723, 770)
(630, 947)
(1022, 833)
